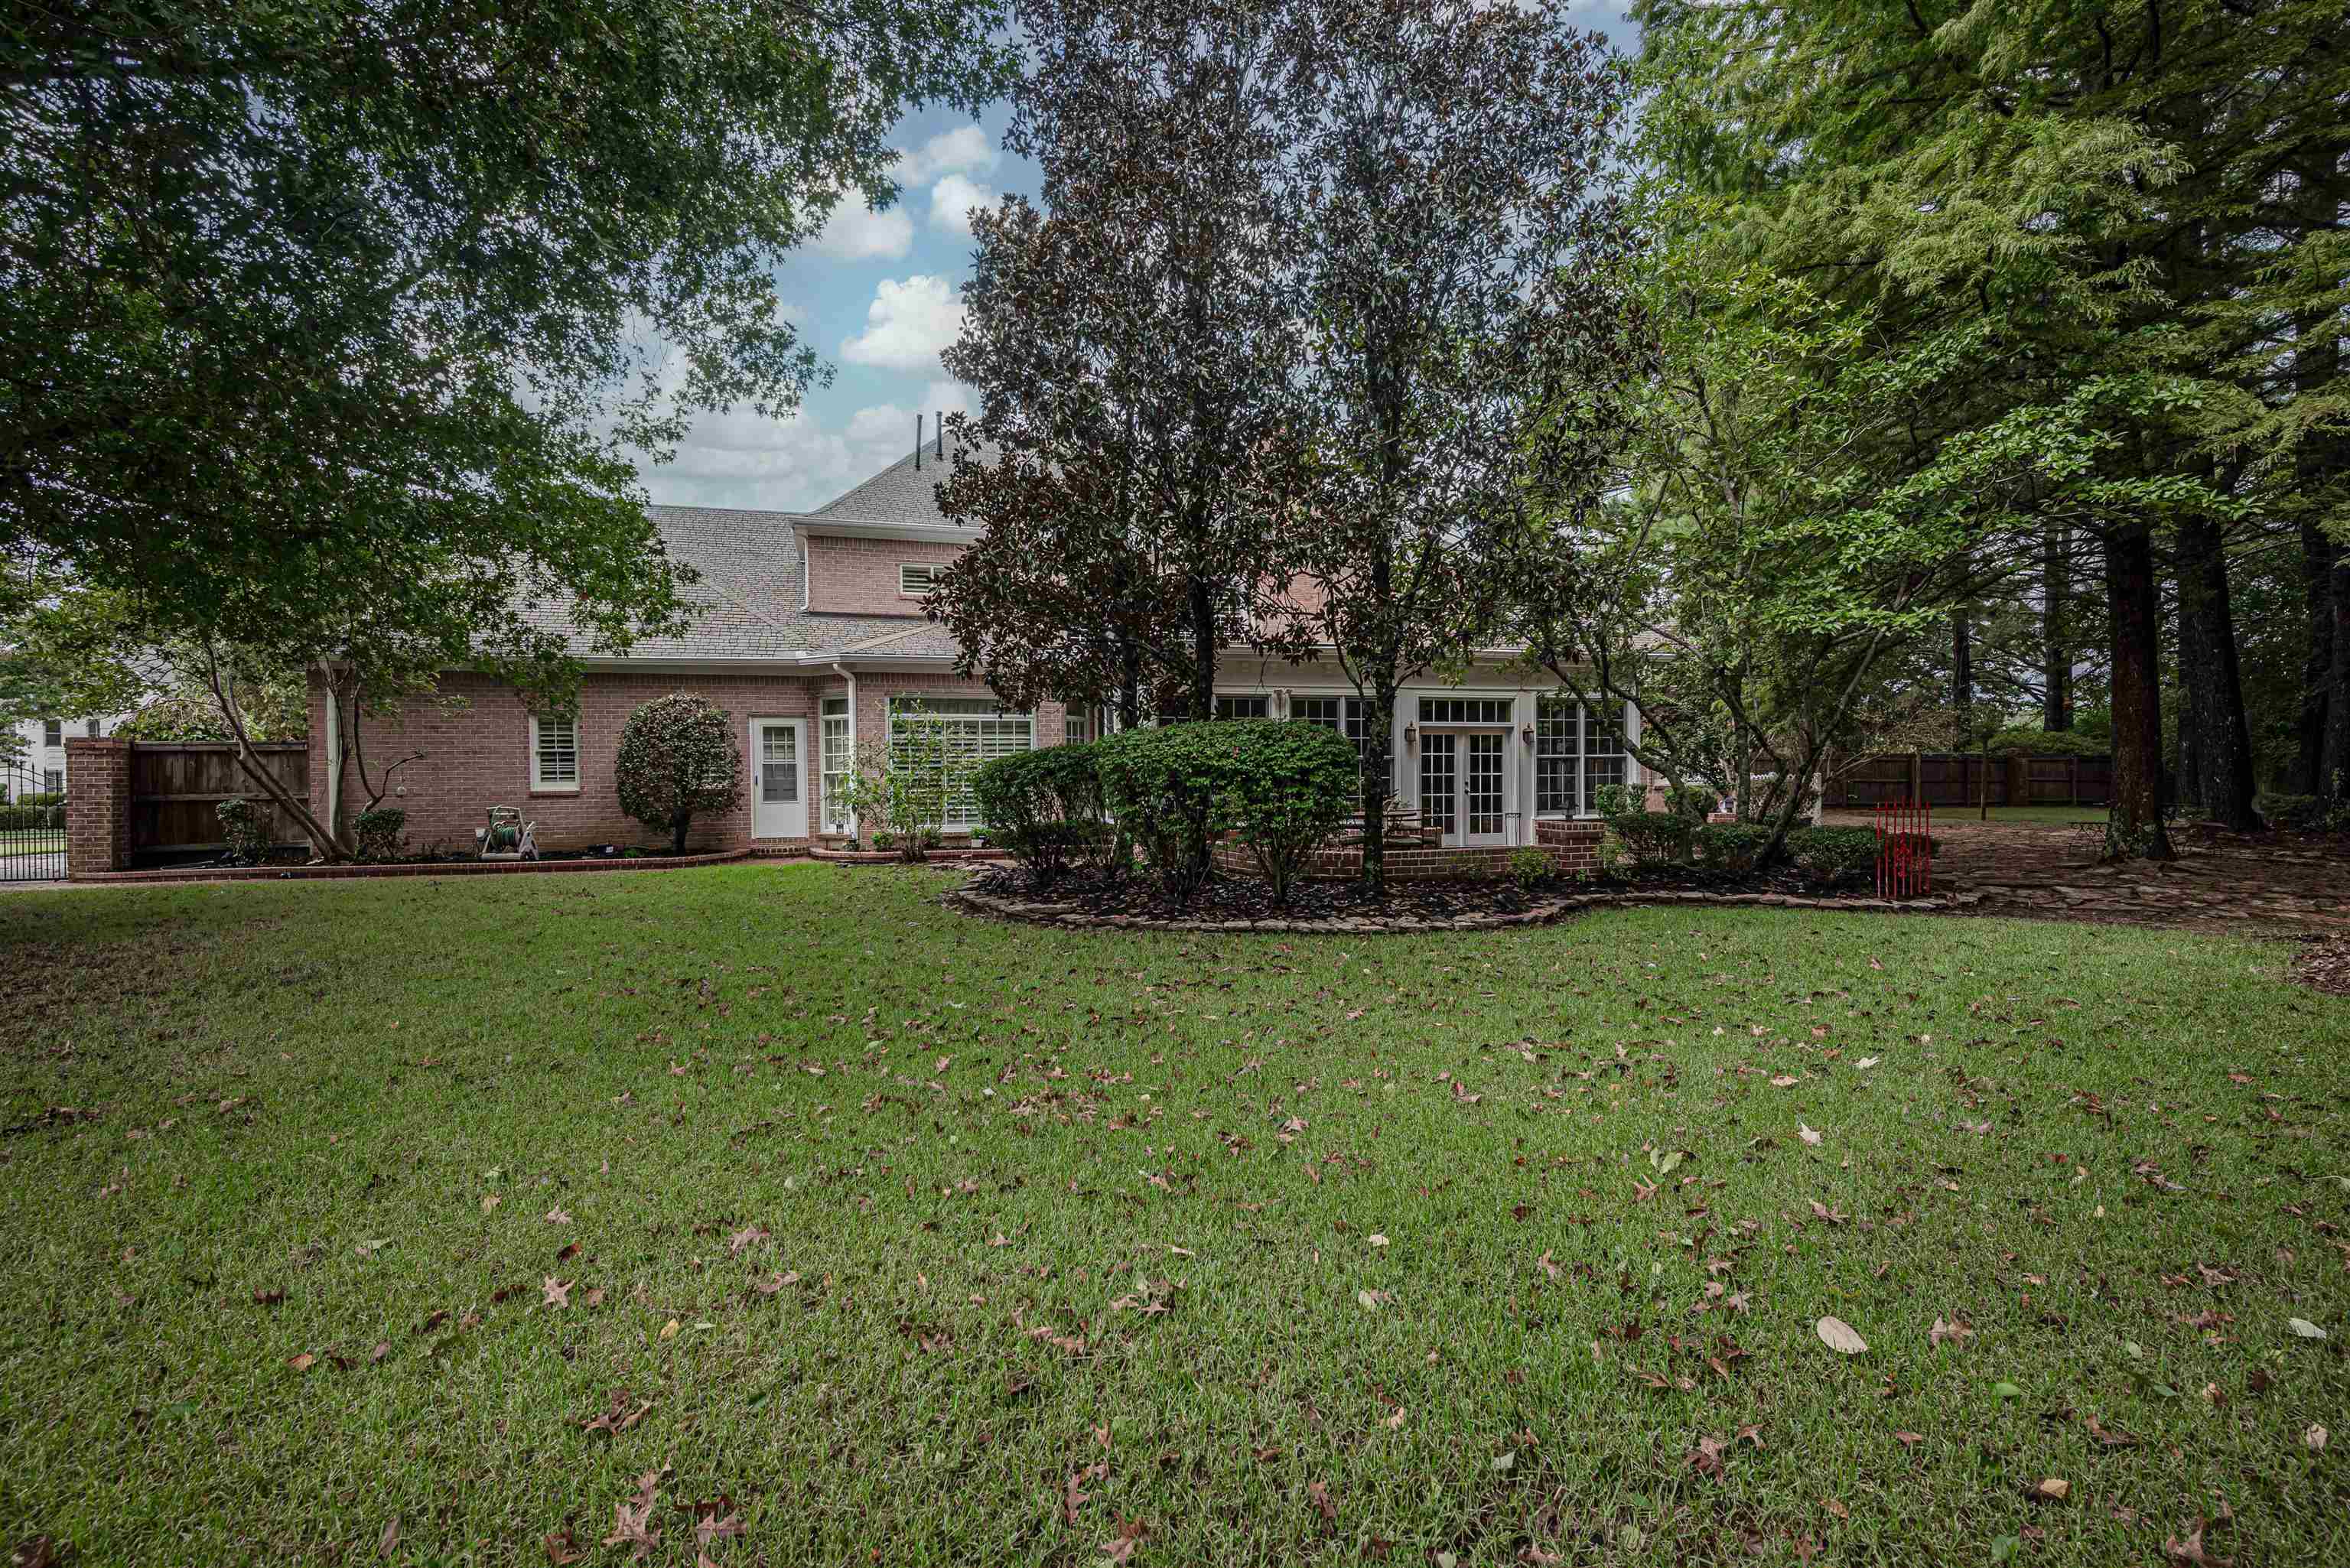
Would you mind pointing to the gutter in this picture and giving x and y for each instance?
(850, 676)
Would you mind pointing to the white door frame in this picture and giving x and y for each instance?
(779, 819)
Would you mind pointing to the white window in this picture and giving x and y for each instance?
(1576, 750)
(1464, 710)
(918, 581)
(1243, 705)
(837, 765)
(53, 731)
(1345, 714)
(91, 729)
(53, 781)
(978, 730)
(553, 753)
(1080, 725)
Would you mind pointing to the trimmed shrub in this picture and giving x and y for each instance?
(1833, 851)
(1044, 806)
(1654, 838)
(242, 827)
(2049, 743)
(1292, 784)
(376, 833)
(1729, 846)
(33, 811)
(1280, 787)
(1528, 866)
(1616, 800)
(677, 760)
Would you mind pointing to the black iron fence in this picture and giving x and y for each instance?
(32, 825)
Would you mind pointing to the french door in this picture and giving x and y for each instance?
(1464, 785)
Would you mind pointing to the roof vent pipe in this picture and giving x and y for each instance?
(940, 424)
(917, 444)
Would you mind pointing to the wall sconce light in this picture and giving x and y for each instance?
(1529, 733)
(1411, 737)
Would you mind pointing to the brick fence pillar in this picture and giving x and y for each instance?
(98, 805)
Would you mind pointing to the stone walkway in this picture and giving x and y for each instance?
(2249, 884)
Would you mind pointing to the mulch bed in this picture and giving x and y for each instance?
(1139, 898)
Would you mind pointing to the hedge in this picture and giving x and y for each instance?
(1730, 846)
(1281, 787)
(1044, 806)
(1653, 837)
(24, 814)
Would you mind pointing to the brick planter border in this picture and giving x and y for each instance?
(440, 868)
(1045, 912)
(891, 858)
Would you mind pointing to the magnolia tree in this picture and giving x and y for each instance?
(1459, 253)
(678, 760)
(1132, 344)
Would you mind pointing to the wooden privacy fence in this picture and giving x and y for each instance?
(1956, 778)
(175, 787)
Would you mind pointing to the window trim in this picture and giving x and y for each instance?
(539, 782)
(961, 815)
(1579, 761)
(1260, 694)
(928, 570)
(836, 816)
(53, 731)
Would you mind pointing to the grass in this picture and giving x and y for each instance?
(920, 1239)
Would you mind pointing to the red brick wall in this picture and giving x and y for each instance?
(860, 577)
(98, 805)
(477, 755)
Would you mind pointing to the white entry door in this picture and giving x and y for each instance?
(778, 779)
(1464, 785)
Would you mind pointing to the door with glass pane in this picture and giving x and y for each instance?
(1440, 784)
(778, 790)
(1484, 789)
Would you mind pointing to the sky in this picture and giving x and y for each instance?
(877, 295)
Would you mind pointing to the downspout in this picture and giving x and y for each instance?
(334, 767)
(850, 676)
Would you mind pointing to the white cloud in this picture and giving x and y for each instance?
(955, 151)
(951, 200)
(856, 232)
(907, 325)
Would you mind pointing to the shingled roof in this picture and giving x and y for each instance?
(906, 491)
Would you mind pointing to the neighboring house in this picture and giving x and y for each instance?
(812, 635)
(36, 764)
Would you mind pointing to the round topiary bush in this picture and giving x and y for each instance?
(1046, 807)
(677, 760)
(1279, 788)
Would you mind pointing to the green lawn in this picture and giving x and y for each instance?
(909, 1238)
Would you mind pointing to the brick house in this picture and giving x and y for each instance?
(811, 633)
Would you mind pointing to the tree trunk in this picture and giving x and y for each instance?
(2215, 693)
(1203, 650)
(2318, 689)
(2056, 652)
(1962, 669)
(2134, 825)
(2187, 779)
(1378, 725)
(678, 822)
(2334, 757)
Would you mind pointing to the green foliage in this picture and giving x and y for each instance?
(377, 832)
(1654, 838)
(244, 827)
(1529, 866)
(274, 708)
(1616, 800)
(1044, 806)
(2031, 743)
(33, 811)
(1734, 847)
(677, 760)
(1281, 788)
(1695, 801)
(1290, 784)
(905, 782)
(1833, 851)
(2306, 813)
